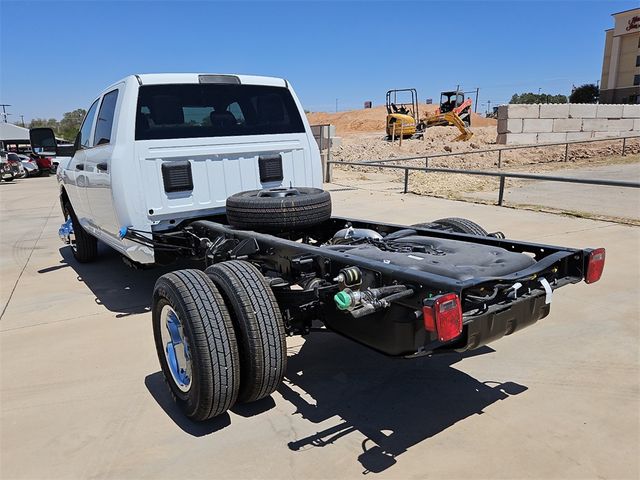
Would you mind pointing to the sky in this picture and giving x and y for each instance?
(56, 56)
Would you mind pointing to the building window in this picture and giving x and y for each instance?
(636, 79)
(638, 61)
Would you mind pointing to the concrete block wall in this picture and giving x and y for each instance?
(568, 122)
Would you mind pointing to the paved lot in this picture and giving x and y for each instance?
(81, 395)
(592, 199)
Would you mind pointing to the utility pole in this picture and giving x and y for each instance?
(336, 105)
(475, 108)
(4, 111)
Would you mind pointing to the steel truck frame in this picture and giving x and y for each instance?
(399, 313)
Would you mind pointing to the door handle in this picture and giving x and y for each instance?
(102, 167)
(79, 166)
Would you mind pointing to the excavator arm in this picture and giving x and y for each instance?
(454, 119)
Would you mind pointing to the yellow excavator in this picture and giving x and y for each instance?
(403, 118)
(451, 118)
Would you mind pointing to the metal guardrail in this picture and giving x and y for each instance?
(501, 175)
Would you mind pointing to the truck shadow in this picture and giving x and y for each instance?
(159, 390)
(116, 286)
(394, 403)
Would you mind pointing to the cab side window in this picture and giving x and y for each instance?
(104, 123)
(85, 130)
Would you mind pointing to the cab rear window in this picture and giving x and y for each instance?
(214, 110)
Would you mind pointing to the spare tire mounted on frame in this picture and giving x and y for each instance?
(279, 208)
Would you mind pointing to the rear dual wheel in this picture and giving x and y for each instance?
(219, 336)
(196, 344)
(258, 324)
(457, 225)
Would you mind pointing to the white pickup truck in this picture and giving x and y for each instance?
(147, 131)
(225, 169)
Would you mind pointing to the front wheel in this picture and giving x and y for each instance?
(83, 245)
(196, 344)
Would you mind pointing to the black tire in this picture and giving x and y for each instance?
(207, 328)
(286, 209)
(462, 225)
(259, 327)
(85, 246)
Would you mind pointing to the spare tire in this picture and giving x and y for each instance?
(279, 208)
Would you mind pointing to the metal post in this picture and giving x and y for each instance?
(566, 152)
(329, 165)
(393, 133)
(624, 145)
(406, 180)
(401, 134)
(501, 192)
(500, 158)
(475, 107)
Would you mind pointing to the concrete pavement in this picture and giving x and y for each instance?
(589, 199)
(81, 395)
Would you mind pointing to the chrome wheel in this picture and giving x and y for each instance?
(176, 348)
(72, 235)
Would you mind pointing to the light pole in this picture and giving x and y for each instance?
(4, 111)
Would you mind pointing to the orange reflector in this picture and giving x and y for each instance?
(595, 265)
(444, 316)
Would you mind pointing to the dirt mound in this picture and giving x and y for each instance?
(373, 119)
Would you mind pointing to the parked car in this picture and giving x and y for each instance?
(30, 165)
(16, 165)
(224, 169)
(5, 167)
(45, 164)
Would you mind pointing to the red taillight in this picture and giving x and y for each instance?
(444, 316)
(595, 265)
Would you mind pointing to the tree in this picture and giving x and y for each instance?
(587, 93)
(538, 98)
(67, 128)
(43, 122)
(70, 124)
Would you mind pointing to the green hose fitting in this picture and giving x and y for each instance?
(343, 300)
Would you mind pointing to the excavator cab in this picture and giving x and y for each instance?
(402, 112)
(450, 100)
(454, 110)
(454, 101)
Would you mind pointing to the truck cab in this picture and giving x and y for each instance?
(155, 150)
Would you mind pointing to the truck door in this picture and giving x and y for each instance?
(98, 167)
(74, 176)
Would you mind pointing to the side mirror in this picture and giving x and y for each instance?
(67, 149)
(43, 141)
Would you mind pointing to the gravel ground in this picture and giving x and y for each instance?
(368, 146)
